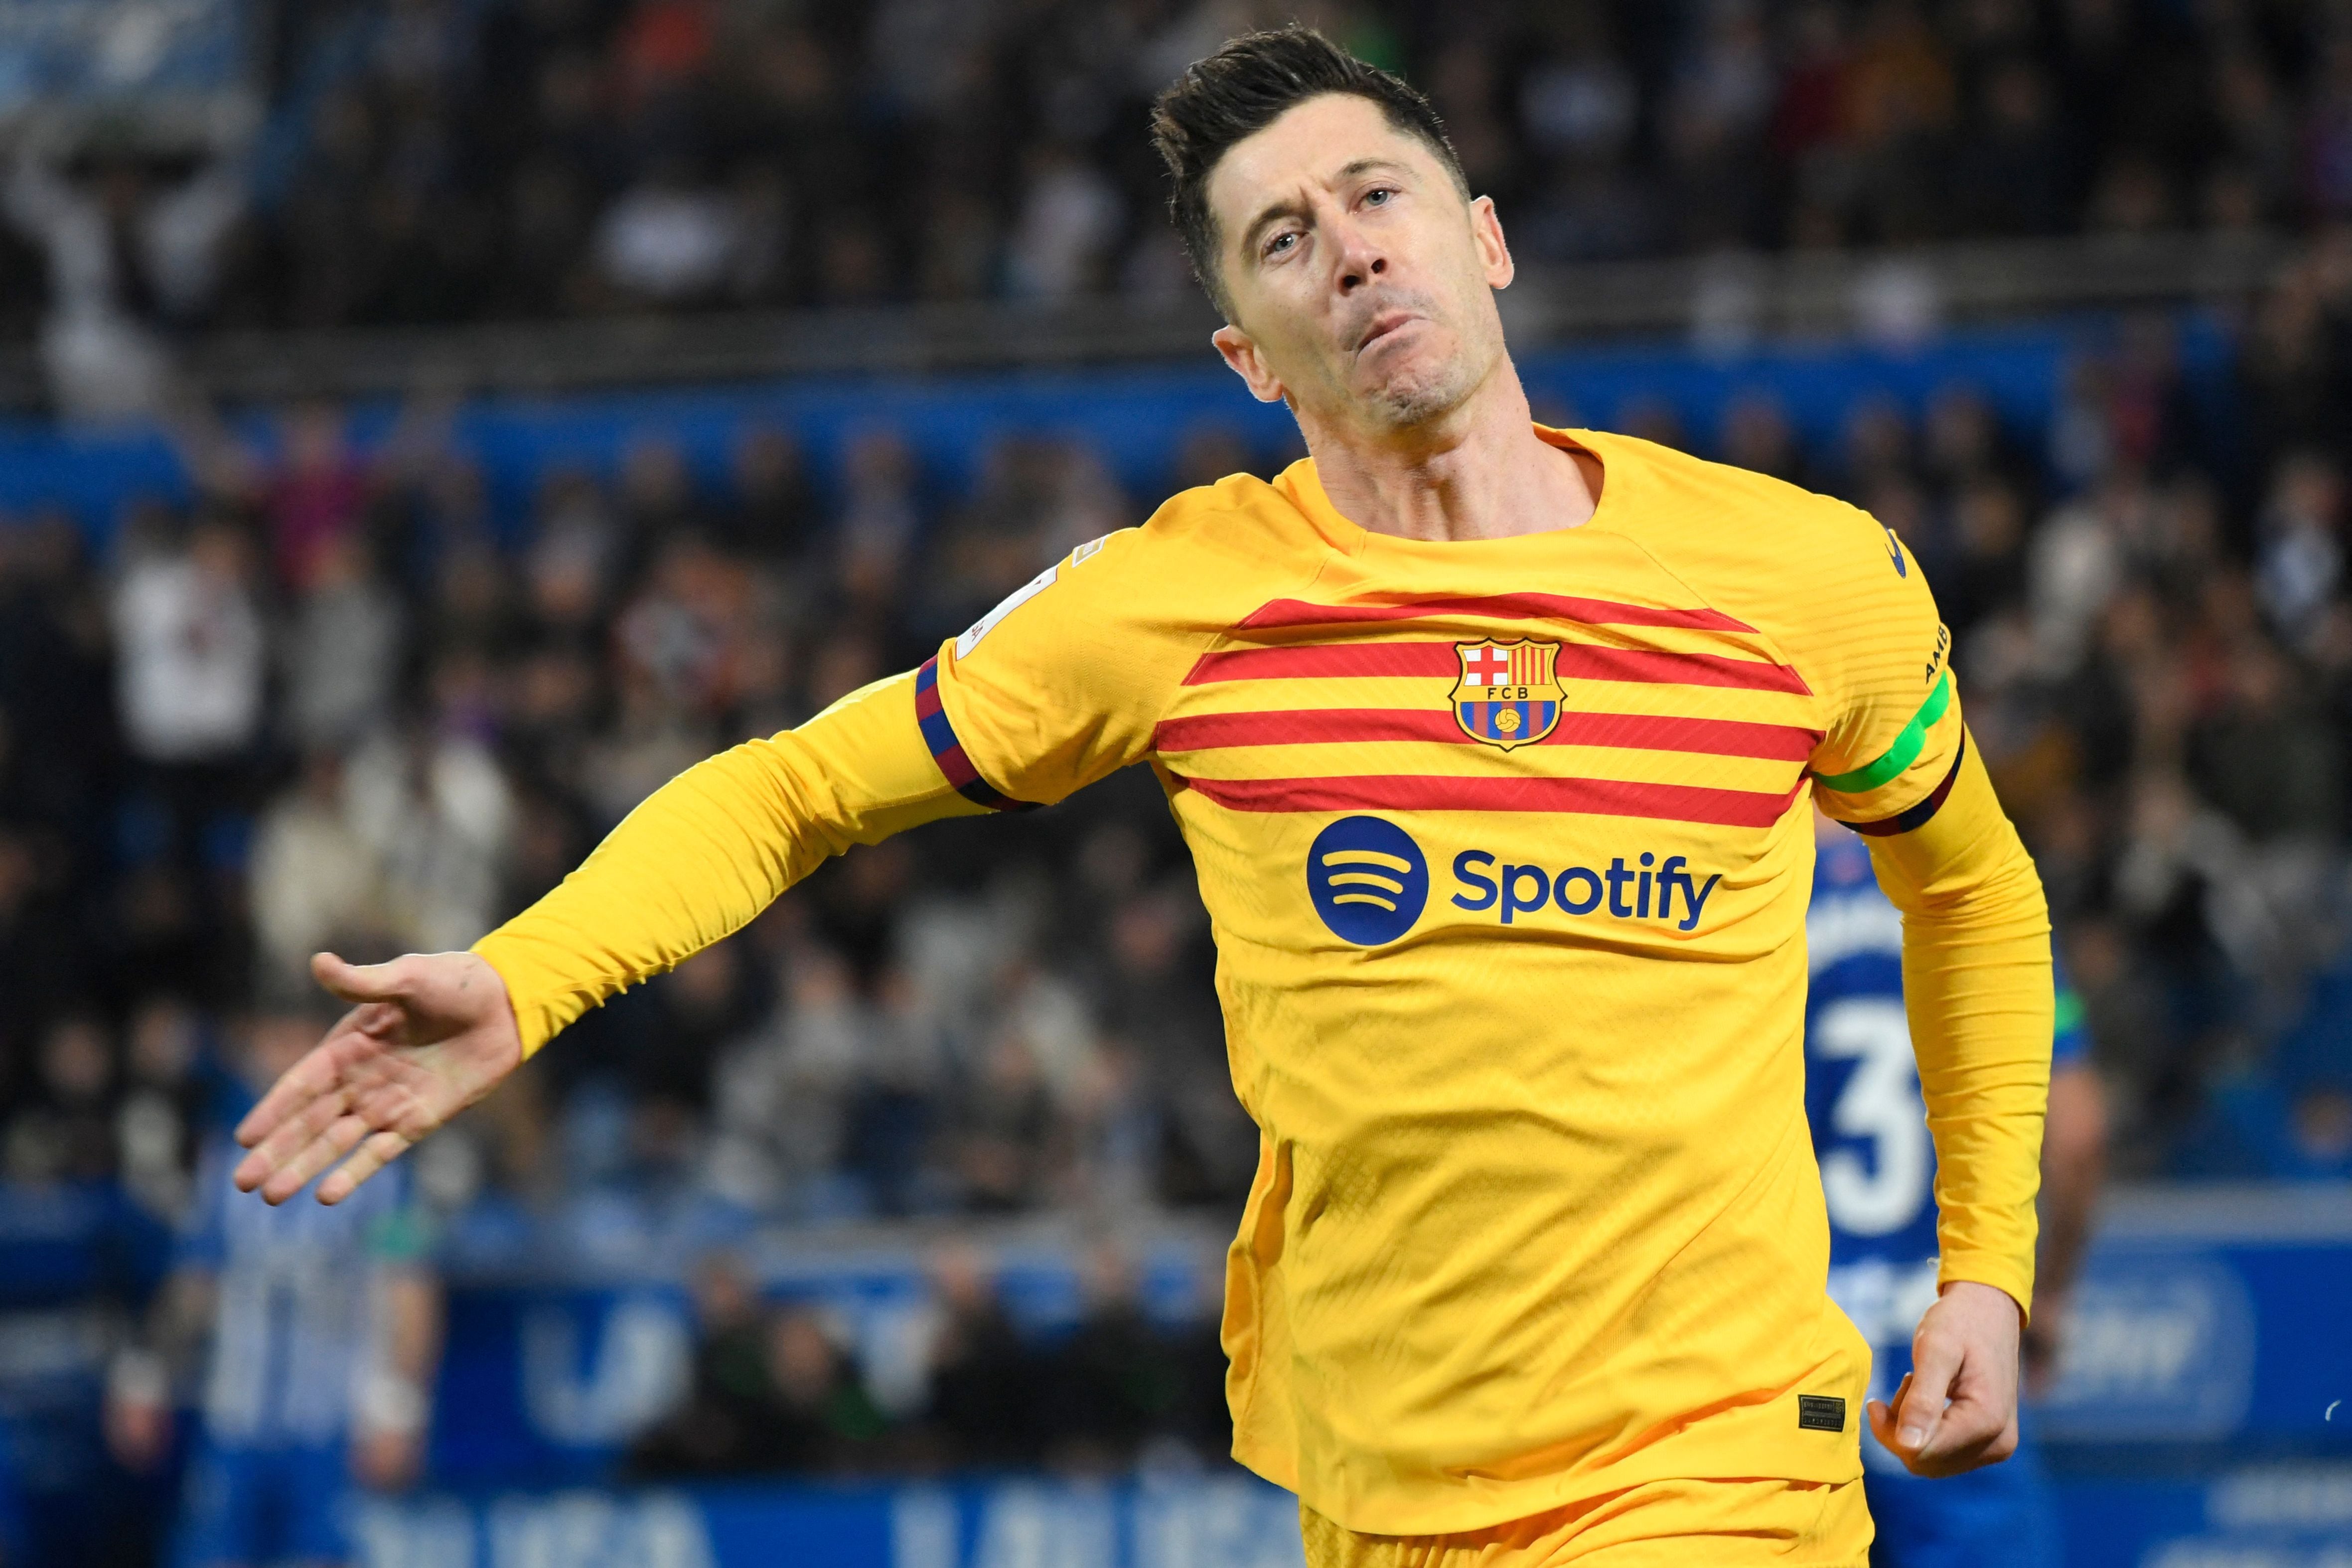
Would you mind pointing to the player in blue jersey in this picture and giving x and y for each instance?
(318, 1328)
(1878, 1174)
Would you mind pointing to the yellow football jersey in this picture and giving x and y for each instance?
(1508, 847)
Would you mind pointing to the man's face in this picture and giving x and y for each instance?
(1361, 283)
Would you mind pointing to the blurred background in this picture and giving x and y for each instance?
(426, 425)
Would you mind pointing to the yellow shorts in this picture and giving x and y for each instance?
(1659, 1524)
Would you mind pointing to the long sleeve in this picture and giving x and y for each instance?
(1977, 988)
(1894, 764)
(710, 850)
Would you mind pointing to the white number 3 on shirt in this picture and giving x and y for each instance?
(1882, 1194)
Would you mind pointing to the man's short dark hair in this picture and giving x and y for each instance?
(1243, 88)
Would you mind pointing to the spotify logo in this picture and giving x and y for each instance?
(1368, 879)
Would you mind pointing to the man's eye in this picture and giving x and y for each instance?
(1379, 197)
(1278, 243)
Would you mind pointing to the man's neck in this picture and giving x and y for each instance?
(1478, 473)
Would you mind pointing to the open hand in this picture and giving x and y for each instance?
(1957, 1409)
(431, 1033)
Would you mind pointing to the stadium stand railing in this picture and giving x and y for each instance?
(1727, 301)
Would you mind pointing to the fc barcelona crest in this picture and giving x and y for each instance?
(1507, 696)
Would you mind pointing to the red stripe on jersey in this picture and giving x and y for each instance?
(1578, 797)
(1281, 613)
(1577, 661)
(1630, 731)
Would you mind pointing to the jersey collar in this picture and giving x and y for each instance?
(1304, 487)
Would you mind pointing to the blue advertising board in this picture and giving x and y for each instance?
(2204, 1318)
(2213, 1317)
(1223, 1521)
(2272, 1516)
(1126, 415)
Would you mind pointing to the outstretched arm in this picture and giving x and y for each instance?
(1062, 684)
(1976, 981)
(431, 1033)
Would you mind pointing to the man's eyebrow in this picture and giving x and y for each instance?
(1272, 213)
(1275, 211)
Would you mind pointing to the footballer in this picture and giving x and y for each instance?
(1497, 748)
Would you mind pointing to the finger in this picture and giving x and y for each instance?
(286, 1139)
(1970, 1435)
(376, 1152)
(1882, 1422)
(316, 1074)
(359, 982)
(297, 1171)
(339, 1138)
(1882, 1415)
(291, 1137)
(1935, 1361)
(1963, 1443)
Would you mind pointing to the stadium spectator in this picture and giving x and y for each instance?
(161, 1113)
(723, 1426)
(984, 1399)
(772, 517)
(67, 1131)
(190, 669)
(1008, 1135)
(307, 887)
(129, 246)
(435, 814)
(319, 1330)
(770, 1392)
(782, 1101)
(1118, 1380)
(343, 652)
(192, 662)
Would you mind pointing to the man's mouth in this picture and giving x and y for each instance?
(1382, 325)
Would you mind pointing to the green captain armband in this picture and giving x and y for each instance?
(1904, 752)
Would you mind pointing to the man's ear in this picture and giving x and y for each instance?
(1487, 233)
(1239, 350)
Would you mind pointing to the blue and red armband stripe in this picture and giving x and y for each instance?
(947, 751)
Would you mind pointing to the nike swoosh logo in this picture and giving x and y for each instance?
(1894, 552)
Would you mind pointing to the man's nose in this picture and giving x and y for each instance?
(1357, 260)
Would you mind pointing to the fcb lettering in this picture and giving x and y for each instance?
(1653, 890)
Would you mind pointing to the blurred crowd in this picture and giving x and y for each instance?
(433, 161)
(772, 1389)
(330, 706)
